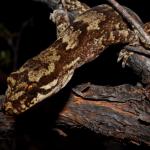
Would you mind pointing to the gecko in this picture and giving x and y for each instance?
(83, 41)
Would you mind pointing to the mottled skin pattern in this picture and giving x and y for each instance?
(64, 15)
(47, 73)
(76, 6)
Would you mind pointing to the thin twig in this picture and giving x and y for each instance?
(139, 50)
(132, 21)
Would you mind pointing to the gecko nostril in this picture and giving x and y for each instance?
(31, 87)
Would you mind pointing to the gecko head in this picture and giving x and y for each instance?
(20, 94)
(23, 93)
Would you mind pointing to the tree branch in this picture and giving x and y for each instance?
(122, 121)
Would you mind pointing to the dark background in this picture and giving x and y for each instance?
(25, 30)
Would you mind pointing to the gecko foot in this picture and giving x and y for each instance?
(124, 55)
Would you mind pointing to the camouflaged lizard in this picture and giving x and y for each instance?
(83, 41)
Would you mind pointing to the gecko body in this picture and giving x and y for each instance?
(83, 41)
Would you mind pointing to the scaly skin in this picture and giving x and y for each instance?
(67, 11)
(47, 73)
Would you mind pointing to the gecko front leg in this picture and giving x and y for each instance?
(60, 17)
(67, 11)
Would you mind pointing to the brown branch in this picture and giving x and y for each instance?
(122, 121)
(139, 50)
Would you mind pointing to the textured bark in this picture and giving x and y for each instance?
(127, 121)
(123, 121)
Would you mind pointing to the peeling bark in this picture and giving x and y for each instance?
(122, 121)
